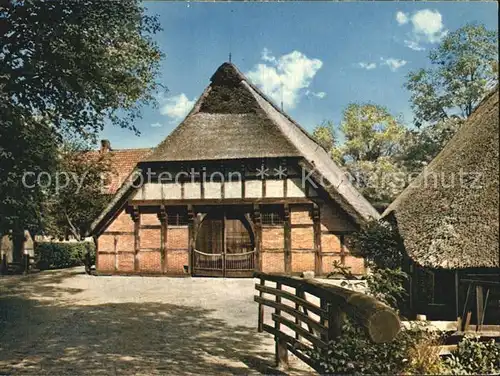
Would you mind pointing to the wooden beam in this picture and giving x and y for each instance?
(342, 249)
(479, 305)
(243, 170)
(136, 217)
(163, 217)
(228, 201)
(257, 220)
(192, 237)
(288, 239)
(318, 267)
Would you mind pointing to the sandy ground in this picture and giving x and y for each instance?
(66, 322)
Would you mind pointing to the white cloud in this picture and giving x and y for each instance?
(157, 125)
(319, 94)
(393, 64)
(427, 27)
(176, 107)
(285, 77)
(367, 66)
(415, 46)
(428, 24)
(402, 18)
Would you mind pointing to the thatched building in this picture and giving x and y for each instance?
(238, 186)
(448, 218)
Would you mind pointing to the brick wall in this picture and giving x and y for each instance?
(334, 219)
(176, 259)
(150, 238)
(177, 252)
(302, 261)
(149, 261)
(123, 222)
(302, 238)
(125, 262)
(106, 262)
(273, 262)
(334, 222)
(273, 251)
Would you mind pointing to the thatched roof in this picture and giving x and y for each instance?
(225, 123)
(448, 217)
(233, 119)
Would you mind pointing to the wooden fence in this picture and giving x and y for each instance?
(309, 314)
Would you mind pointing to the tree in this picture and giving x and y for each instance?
(369, 154)
(424, 143)
(463, 71)
(324, 134)
(79, 195)
(66, 68)
(371, 132)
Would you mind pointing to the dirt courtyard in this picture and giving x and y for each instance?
(66, 322)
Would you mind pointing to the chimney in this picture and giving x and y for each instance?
(105, 146)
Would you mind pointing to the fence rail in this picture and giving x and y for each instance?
(308, 314)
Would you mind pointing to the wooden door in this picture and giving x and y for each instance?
(224, 246)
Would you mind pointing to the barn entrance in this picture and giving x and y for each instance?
(225, 245)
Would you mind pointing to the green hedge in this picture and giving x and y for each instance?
(51, 255)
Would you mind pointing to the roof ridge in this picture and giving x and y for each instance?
(274, 105)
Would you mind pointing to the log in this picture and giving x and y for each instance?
(380, 322)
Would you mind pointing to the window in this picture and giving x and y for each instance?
(177, 217)
(273, 216)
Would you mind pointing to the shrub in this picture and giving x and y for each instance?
(387, 285)
(473, 357)
(424, 358)
(378, 242)
(51, 255)
(353, 353)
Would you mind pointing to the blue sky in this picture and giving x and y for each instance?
(317, 56)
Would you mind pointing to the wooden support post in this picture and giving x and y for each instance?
(162, 216)
(288, 239)
(342, 249)
(300, 293)
(484, 309)
(324, 306)
(479, 305)
(136, 217)
(318, 267)
(465, 318)
(192, 237)
(283, 166)
(261, 309)
(26, 259)
(243, 178)
(257, 219)
(263, 166)
(3, 267)
(281, 351)
(336, 319)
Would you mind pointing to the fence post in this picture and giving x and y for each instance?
(298, 292)
(26, 262)
(336, 319)
(261, 309)
(281, 349)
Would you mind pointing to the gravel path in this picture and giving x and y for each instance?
(66, 322)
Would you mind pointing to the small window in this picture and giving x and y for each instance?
(273, 217)
(177, 217)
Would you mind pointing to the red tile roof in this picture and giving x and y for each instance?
(123, 162)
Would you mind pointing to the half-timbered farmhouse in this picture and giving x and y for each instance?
(238, 186)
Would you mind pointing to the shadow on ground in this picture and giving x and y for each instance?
(48, 337)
